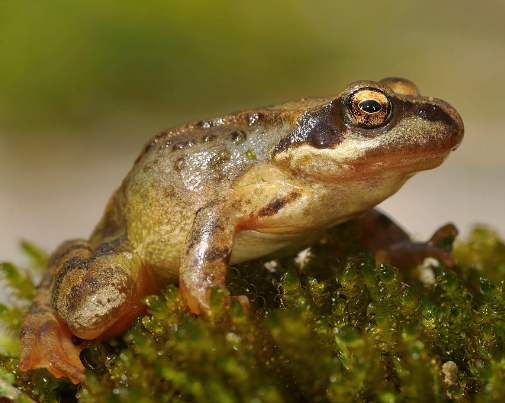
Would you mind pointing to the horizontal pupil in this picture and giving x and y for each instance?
(370, 106)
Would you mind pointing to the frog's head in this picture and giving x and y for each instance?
(372, 129)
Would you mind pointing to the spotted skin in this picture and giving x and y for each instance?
(205, 195)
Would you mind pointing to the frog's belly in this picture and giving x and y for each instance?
(251, 244)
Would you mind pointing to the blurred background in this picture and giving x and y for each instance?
(84, 84)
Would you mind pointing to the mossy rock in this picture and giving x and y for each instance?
(326, 325)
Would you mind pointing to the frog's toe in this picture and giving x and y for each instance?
(446, 233)
(192, 303)
(202, 306)
(48, 344)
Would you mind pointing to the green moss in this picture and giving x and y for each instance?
(330, 325)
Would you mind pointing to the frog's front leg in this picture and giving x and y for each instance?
(208, 250)
(87, 293)
(391, 244)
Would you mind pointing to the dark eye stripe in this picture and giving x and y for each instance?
(429, 112)
(321, 128)
(434, 113)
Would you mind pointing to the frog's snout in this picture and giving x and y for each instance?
(448, 125)
(449, 116)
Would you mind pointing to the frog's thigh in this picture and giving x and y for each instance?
(377, 231)
(100, 295)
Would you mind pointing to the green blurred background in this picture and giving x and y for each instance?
(84, 83)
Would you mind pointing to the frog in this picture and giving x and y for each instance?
(206, 195)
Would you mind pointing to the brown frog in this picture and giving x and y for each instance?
(206, 195)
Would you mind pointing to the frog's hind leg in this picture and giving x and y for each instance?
(87, 293)
(391, 244)
(46, 341)
(103, 296)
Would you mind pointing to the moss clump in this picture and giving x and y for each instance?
(327, 326)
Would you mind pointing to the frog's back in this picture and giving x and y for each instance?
(209, 154)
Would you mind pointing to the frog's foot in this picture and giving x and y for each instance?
(47, 343)
(405, 253)
(198, 307)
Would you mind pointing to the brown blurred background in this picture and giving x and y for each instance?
(84, 84)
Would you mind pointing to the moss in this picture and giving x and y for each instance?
(326, 325)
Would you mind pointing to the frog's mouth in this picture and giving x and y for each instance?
(399, 164)
(375, 166)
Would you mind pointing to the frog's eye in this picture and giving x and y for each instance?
(369, 108)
